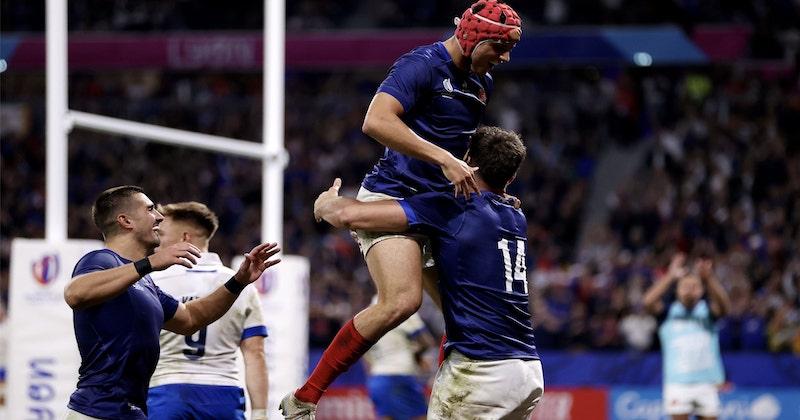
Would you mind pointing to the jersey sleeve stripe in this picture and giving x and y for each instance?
(258, 330)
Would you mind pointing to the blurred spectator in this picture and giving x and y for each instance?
(130, 15)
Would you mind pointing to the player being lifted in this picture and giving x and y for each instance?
(424, 112)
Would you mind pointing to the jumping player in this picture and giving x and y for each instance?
(424, 112)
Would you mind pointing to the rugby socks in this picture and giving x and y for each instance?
(346, 348)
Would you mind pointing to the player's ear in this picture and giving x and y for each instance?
(124, 221)
(186, 237)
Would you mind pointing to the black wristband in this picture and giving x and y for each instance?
(143, 266)
(234, 286)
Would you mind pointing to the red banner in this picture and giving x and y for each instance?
(346, 403)
(572, 404)
(226, 51)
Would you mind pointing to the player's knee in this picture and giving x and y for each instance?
(406, 305)
(397, 308)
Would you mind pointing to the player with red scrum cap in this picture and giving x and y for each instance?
(430, 103)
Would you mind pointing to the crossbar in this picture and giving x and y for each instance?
(171, 136)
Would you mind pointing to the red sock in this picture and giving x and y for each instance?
(346, 348)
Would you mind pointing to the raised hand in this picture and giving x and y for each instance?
(256, 261)
(461, 175)
(704, 268)
(182, 253)
(676, 268)
(326, 196)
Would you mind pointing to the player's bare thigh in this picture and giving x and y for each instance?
(396, 268)
(395, 263)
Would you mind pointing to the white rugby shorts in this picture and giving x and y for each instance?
(698, 399)
(366, 239)
(465, 388)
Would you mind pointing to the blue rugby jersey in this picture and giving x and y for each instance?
(118, 343)
(480, 248)
(442, 104)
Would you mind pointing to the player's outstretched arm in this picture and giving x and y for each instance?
(96, 287)
(383, 123)
(384, 215)
(196, 314)
(652, 298)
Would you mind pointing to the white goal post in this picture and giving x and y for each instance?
(61, 120)
(283, 291)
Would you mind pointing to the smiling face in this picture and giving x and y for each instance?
(490, 53)
(144, 219)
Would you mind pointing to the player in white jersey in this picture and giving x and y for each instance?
(395, 363)
(197, 376)
(689, 342)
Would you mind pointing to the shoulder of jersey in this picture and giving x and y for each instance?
(427, 54)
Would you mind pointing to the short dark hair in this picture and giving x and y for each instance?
(108, 205)
(497, 153)
(198, 214)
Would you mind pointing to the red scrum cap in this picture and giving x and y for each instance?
(486, 20)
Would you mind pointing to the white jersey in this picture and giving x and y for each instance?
(208, 357)
(393, 354)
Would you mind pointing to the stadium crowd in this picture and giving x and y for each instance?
(721, 178)
(133, 15)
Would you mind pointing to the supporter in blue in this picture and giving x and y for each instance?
(118, 311)
(424, 112)
(492, 368)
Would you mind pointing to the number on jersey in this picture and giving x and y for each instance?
(198, 346)
(517, 272)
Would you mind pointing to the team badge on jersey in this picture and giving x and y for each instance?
(447, 85)
(482, 95)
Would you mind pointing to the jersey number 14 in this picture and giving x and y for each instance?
(517, 272)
